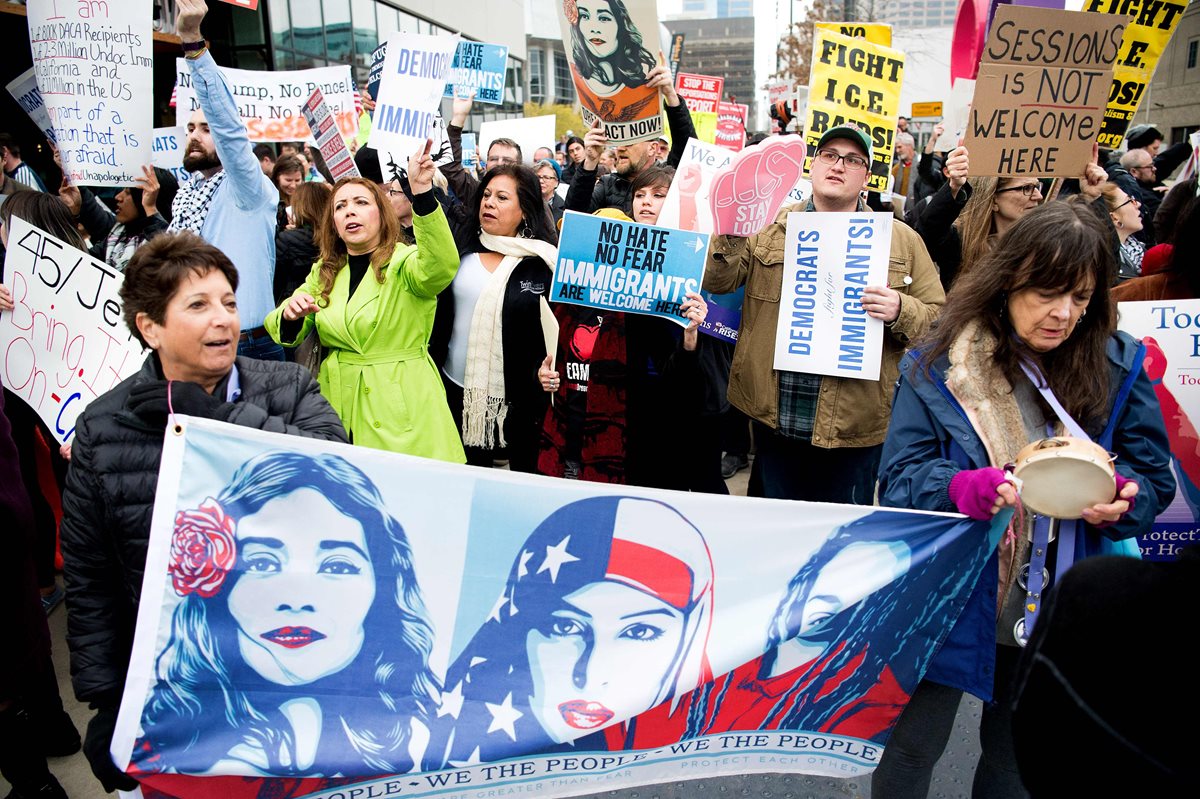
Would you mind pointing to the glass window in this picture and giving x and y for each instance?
(564, 89)
(1192, 47)
(284, 59)
(388, 20)
(365, 38)
(337, 30)
(537, 80)
(408, 23)
(281, 23)
(307, 34)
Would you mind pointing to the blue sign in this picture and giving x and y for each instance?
(481, 67)
(620, 265)
(376, 73)
(724, 314)
(470, 151)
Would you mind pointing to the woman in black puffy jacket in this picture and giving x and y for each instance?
(295, 250)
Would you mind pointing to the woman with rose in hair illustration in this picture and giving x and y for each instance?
(275, 614)
(601, 584)
(611, 61)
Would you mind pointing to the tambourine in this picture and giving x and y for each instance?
(1063, 475)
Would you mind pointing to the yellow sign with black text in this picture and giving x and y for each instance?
(930, 110)
(874, 32)
(855, 81)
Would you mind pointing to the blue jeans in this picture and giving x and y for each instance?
(261, 347)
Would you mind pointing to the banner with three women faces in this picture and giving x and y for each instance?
(322, 620)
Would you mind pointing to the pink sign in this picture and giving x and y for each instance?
(731, 125)
(747, 194)
(699, 92)
(250, 4)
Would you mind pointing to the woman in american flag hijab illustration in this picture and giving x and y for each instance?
(605, 614)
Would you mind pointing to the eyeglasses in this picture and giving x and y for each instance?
(1145, 166)
(852, 161)
(1028, 189)
(547, 178)
(394, 192)
(1127, 202)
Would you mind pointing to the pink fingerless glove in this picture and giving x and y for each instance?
(1121, 481)
(973, 491)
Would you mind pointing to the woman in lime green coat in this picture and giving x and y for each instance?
(372, 300)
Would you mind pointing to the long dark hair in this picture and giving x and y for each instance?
(43, 211)
(1057, 247)
(1184, 234)
(204, 686)
(537, 220)
(629, 62)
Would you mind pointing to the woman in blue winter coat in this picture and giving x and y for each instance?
(966, 404)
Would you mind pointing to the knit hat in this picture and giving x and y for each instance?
(1142, 136)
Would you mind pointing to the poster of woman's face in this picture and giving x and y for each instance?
(612, 45)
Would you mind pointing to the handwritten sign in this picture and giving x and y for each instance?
(699, 92)
(748, 192)
(874, 32)
(24, 90)
(1142, 45)
(854, 80)
(64, 342)
(1040, 95)
(270, 102)
(167, 152)
(329, 140)
(414, 75)
(1170, 329)
(625, 266)
(731, 125)
(829, 258)
(480, 67)
(94, 66)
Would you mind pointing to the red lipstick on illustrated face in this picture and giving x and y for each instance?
(293, 637)
(584, 715)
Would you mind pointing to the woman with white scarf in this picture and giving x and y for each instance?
(490, 332)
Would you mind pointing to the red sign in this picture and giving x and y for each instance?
(732, 119)
(699, 92)
(250, 4)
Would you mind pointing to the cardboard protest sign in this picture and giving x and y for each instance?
(625, 266)
(699, 92)
(1040, 95)
(481, 68)
(270, 103)
(829, 259)
(94, 67)
(375, 74)
(1142, 45)
(611, 45)
(731, 125)
(748, 192)
(329, 139)
(854, 80)
(410, 92)
(529, 132)
(24, 90)
(479, 565)
(65, 341)
(957, 110)
(1170, 331)
(874, 32)
(167, 152)
(687, 204)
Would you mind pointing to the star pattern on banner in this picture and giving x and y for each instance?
(452, 702)
(523, 564)
(501, 601)
(473, 760)
(556, 556)
(504, 717)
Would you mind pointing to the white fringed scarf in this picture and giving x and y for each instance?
(484, 406)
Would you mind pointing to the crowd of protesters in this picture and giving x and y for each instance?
(411, 306)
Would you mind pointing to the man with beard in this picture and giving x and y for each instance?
(614, 190)
(230, 202)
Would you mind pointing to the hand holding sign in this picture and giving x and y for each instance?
(695, 310)
(747, 194)
(958, 167)
(594, 142)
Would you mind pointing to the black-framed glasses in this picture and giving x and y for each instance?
(852, 161)
(546, 178)
(1028, 189)
(1127, 202)
(391, 192)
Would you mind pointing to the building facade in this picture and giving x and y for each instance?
(547, 66)
(723, 47)
(908, 13)
(1172, 101)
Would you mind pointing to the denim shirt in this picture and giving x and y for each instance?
(241, 218)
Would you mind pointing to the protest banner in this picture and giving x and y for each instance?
(626, 266)
(855, 81)
(250, 5)
(1170, 331)
(731, 125)
(676, 52)
(529, 132)
(94, 66)
(375, 74)
(480, 68)
(1040, 95)
(1143, 43)
(750, 189)
(823, 328)
(410, 94)
(62, 349)
(956, 115)
(270, 103)
(699, 92)
(609, 62)
(494, 587)
(329, 139)
(874, 32)
(24, 90)
(167, 153)
(470, 152)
